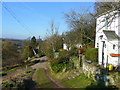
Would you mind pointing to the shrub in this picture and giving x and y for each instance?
(73, 52)
(92, 54)
(90, 45)
(7, 84)
(63, 53)
(49, 53)
(74, 48)
(63, 61)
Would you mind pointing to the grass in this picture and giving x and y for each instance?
(30, 72)
(42, 80)
(10, 70)
(62, 75)
(79, 82)
(13, 69)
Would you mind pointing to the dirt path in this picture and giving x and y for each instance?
(45, 65)
(21, 71)
(57, 83)
(13, 74)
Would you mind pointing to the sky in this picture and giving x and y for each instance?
(21, 20)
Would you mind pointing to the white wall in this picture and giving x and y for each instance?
(113, 60)
(114, 26)
(78, 45)
(65, 47)
(100, 25)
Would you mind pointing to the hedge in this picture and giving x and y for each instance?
(63, 61)
(92, 54)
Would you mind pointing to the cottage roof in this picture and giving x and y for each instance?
(111, 35)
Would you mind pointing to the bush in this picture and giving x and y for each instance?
(7, 84)
(49, 53)
(92, 54)
(63, 53)
(74, 48)
(61, 62)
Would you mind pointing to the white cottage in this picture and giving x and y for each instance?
(65, 47)
(108, 38)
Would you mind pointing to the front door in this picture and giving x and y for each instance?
(103, 52)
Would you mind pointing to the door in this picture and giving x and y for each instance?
(103, 58)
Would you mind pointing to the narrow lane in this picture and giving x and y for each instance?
(45, 65)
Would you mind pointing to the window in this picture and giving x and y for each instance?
(113, 46)
(97, 44)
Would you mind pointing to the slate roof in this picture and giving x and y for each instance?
(111, 35)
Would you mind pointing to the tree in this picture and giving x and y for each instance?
(79, 30)
(10, 54)
(27, 52)
(53, 41)
(33, 42)
(101, 7)
(53, 33)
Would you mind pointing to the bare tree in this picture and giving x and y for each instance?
(78, 22)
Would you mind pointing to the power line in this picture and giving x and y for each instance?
(15, 17)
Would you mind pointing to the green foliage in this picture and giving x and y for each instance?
(74, 48)
(5, 72)
(92, 54)
(27, 52)
(79, 82)
(73, 52)
(42, 80)
(76, 61)
(13, 68)
(49, 53)
(7, 84)
(33, 42)
(51, 45)
(82, 28)
(10, 54)
(63, 53)
(29, 72)
(91, 44)
(62, 62)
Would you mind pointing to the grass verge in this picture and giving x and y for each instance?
(4, 72)
(79, 82)
(42, 80)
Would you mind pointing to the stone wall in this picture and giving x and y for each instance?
(114, 78)
(89, 69)
(109, 78)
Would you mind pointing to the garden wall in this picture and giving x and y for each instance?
(114, 78)
(89, 69)
(109, 78)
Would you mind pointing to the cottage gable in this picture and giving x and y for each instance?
(111, 35)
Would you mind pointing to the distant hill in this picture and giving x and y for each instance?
(6, 39)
